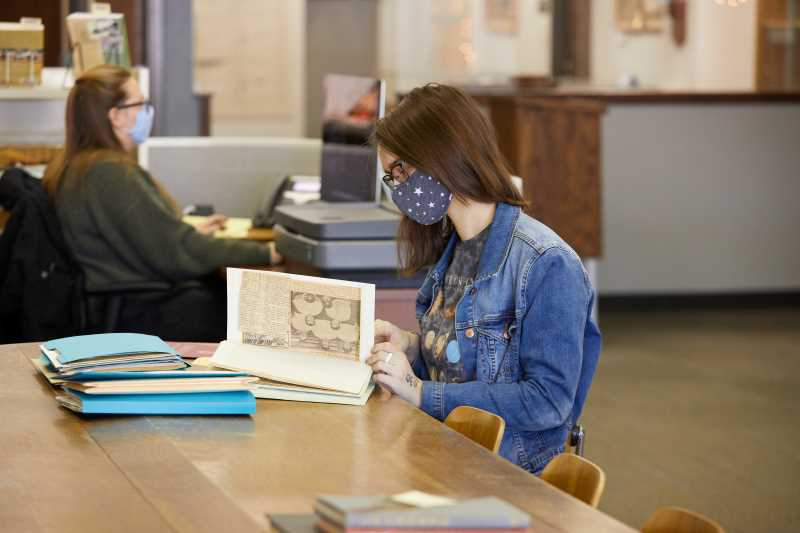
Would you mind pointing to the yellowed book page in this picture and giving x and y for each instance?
(264, 307)
(301, 315)
(325, 319)
(292, 367)
(313, 396)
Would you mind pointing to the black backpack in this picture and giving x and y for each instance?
(41, 284)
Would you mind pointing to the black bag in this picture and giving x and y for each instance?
(41, 284)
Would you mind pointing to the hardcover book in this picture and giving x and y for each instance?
(306, 337)
(384, 513)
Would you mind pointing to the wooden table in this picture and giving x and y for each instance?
(64, 472)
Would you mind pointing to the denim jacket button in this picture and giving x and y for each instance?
(469, 333)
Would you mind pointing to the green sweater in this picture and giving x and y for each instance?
(122, 230)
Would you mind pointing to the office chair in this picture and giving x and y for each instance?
(103, 307)
(576, 476)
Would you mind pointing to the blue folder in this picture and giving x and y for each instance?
(147, 374)
(88, 346)
(192, 403)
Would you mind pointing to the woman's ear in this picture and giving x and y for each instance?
(115, 117)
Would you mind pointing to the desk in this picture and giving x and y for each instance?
(236, 228)
(63, 472)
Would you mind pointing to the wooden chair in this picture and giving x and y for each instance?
(576, 476)
(480, 426)
(677, 520)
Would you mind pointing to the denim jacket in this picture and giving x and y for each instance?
(527, 318)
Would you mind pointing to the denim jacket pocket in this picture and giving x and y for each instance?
(494, 341)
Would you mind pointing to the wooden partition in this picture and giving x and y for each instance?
(553, 144)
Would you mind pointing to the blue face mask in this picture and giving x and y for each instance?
(423, 198)
(144, 123)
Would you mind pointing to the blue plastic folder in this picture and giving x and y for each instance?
(194, 403)
(104, 344)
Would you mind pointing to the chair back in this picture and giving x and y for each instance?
(678, 520)
(576, 476)
(480, 426)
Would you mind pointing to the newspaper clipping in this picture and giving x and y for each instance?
(299, 315)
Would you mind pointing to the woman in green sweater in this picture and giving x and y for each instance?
(125, 230)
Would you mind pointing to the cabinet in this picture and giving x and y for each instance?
(778, 45)
(553, 144)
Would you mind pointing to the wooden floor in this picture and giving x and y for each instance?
(700, 409)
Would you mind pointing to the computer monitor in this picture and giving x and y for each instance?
(349, 165)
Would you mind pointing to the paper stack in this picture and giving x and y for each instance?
(128, 373)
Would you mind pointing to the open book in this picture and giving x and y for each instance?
(307, 338)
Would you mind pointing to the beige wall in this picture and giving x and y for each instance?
(719, 52)
(250, 55)
(420, 40)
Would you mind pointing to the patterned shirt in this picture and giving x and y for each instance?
(438, 344)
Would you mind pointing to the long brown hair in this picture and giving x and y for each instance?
(441, 130)
(89, 135)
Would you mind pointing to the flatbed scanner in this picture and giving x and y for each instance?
(333, 236)
(352, 228)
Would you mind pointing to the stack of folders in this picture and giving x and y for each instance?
(416, 512)
(131, 373)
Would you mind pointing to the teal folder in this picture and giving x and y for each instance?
(193, 403)
(149, 374)
(104, 344)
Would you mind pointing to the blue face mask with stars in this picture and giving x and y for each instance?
(423, 198)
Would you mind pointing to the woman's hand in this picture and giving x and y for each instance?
(275, 257)
(405, 341)
(392, 371)
(211, 224)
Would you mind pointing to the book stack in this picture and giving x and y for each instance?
(416, 512)
(306, 338)
(129, 373)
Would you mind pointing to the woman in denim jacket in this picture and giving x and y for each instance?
(505, 310)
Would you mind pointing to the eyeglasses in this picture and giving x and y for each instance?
(144, 103)
(397, 174)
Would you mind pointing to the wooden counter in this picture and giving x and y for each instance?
(632, 96)
(552, 138)
(675, 191)
(64, 472)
